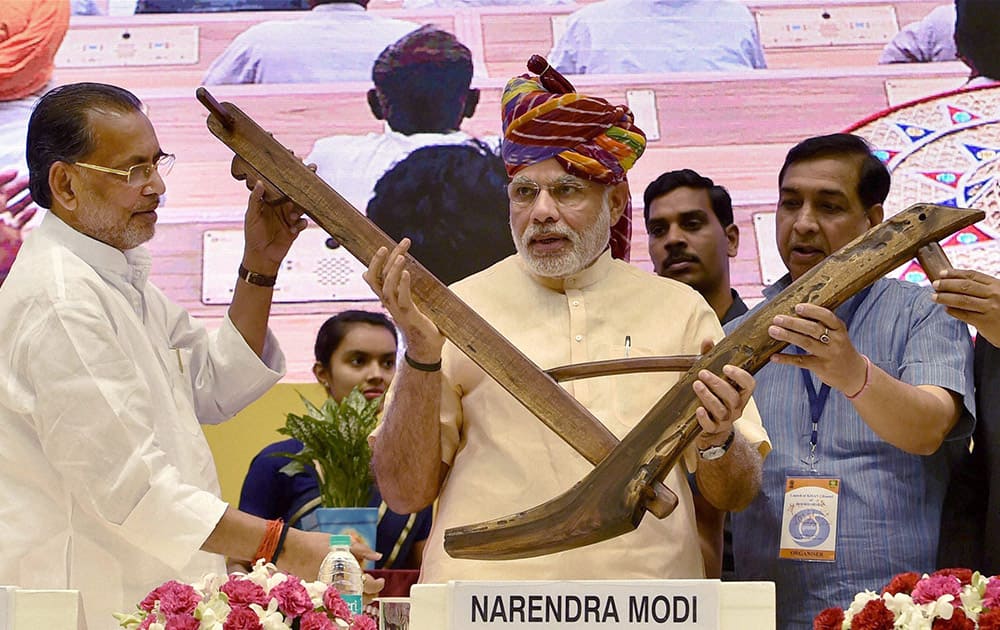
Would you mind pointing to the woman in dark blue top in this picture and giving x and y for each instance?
(353, 348)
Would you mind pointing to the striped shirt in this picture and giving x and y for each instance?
(890, 501)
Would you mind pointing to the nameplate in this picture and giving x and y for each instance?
(587, 604)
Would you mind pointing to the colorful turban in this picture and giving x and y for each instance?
(30, 34)
(544, 117)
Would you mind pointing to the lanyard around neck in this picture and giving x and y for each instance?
(817, 401)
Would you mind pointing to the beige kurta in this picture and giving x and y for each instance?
(502, 459)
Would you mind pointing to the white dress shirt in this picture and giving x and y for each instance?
(107, 484)
(352, 165)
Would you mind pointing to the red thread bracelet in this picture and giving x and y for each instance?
(269, 543)
(868, 370)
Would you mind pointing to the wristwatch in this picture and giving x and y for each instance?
(715, 452)
(254, 278)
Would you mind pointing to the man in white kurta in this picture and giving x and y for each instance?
(107, 484)
(451, 433)
(502, 459)
(106, 475)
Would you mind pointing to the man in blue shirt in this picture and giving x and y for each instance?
(644, 36)
(858, 407)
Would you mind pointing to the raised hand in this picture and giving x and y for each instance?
(389, 279)
(972, 297)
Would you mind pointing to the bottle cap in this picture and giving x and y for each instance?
(340, 540)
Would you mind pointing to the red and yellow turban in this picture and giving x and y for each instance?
(544, 117)
(30, 34)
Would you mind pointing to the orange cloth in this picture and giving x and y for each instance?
(30, 34)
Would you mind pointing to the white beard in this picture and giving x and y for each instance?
(585, 246)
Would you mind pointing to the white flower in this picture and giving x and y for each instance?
(941, 608)
(209, 583)
(260, 574)
(212, 613)
(274, 580)
(859, 602)
(972, 602)
(315, 590)
(270, 618)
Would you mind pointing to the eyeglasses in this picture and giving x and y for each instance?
(140, 174)
(567, 193)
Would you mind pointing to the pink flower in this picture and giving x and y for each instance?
(964, 575)
(182, 622)
(293, 598)
(148, 621)
(175, 598)
(902, 583)
(874, 616)
(829, 619)
(334, 603)
(315, 620)
(932, 587)
(958, 621)
(362, 622)
(242, 618)
(241, 591)
(991, 598)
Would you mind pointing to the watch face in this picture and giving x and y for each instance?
(714, 452)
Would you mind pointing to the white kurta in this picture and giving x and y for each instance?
(352, 165)
(503, 460)
(107, 484)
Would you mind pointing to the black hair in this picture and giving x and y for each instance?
(873, 178)
(59, 129)
(722, 203)
(451, 201)
(333, 331)
(977, 35)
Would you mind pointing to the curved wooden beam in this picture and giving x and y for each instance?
(676, 363)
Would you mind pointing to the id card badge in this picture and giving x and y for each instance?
(809, 519)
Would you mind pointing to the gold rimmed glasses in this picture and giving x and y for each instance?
(140, 174)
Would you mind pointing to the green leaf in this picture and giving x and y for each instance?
(335, 437)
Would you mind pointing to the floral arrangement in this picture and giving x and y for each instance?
(335, 447)
(949, 599)
(263, 599)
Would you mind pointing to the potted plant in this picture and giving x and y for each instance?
(335, 449)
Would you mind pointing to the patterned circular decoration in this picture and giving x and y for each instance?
(945, 149)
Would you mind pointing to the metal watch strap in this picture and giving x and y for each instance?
(256, 279)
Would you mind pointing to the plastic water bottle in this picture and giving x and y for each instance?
(342, 570)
